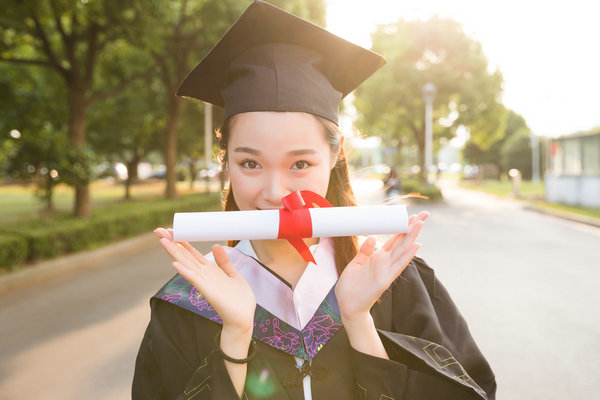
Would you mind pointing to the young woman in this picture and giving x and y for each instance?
(253, 320)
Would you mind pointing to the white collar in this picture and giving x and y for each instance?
(296, 307)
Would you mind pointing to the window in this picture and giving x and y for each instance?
(591, 155)
(572, 156)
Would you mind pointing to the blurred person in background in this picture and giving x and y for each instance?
(391, 184)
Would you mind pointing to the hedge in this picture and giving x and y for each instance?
(61, 235)
(431, 191)
(13, 249)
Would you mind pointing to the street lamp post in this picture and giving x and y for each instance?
(429, 91)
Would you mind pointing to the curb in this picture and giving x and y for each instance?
(564, 215)
(35, 273)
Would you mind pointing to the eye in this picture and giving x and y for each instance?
(249, 164)
(301, 164)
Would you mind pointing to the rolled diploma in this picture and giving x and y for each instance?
(264, 224)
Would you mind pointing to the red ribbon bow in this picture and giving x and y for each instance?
(295, 223)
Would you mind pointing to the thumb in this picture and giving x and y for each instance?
(365, 251)
(223, 261)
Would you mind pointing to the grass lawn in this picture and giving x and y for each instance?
(527, 190)
(18, 203)
(585, 211)
(534, 193)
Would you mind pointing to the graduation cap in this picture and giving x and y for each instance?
(271, 60)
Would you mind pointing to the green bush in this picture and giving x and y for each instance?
(62, 234)
(412, 186)
(13, 249)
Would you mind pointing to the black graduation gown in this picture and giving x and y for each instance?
(432, 354)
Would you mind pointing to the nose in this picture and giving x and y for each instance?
(274, 189)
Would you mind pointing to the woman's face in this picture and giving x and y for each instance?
(272, 154)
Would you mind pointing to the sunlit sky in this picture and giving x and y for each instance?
(548, 51)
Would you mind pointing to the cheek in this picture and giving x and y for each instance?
(243, 189)
(318, 180)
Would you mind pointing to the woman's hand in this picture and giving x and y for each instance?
(226, 290)
(221, 284)
(366, 278)
(369, 274)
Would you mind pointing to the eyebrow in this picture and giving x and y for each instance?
(258, 153)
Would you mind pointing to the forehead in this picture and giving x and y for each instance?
(276, 130)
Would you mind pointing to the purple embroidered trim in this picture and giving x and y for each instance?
(269, 329)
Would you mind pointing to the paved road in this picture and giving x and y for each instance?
(526, 283)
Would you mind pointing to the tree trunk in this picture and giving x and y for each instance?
(132, 176)
(175, 110)
(77, 121)
(419, 135)
(48, 195)
(423, 168)
(193, 171)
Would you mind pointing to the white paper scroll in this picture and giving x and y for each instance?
(264, 224)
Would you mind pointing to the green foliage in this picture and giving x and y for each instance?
(390, 104)
(38, 158)
(516, 153)
(62, 62)
(493, 155)
(83, 45)
(64, 235)
(13, 249)
(133, 132)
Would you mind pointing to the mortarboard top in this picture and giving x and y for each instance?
(271, 60)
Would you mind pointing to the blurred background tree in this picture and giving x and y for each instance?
(76, 40)
(127, 127)
(495, 158)
(103, 74)
(30, 153)
(390, 104)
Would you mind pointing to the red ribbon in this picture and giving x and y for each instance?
(295, 223)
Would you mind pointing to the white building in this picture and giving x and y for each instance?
(573, 169)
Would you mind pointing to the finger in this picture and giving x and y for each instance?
(387, 246)
(390, 242)
(162, 233)
(185, 272)
(223, 261)
(170, 230)
(178, 253)
(199, 256)
(410, 254)
(422, 216)
(365, 251)
(407, 240)
(401, 264)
